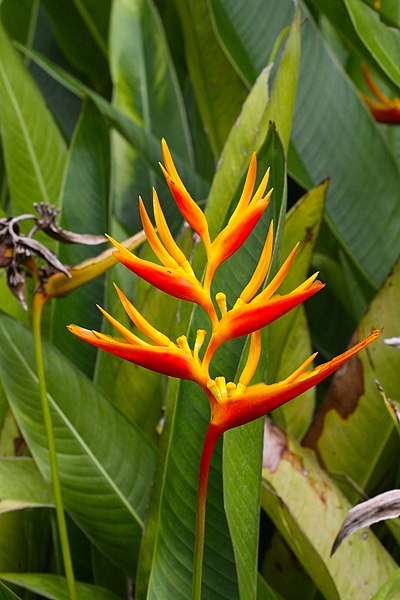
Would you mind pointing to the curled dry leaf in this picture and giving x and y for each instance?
(384, 506)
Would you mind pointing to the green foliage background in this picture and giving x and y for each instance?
(87, 90)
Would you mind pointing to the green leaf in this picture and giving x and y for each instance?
(82, 28)
(289, 336)
(84, 197)
(353, 434)
(219, 91)
(264, 591)
(7, 594)
(325, 139)
(34, 150)
(147, 91)
(55, 587)
(390, 588)
(383, 42)
(105, 493)
(309, 527)
(21, 485)
(19, 19)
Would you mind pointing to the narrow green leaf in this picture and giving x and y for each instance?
(383, 42)
(390, 588)
(33, 147)
(353, 434)
(309, 527)
(105, 492)
(21, 485)
(7, 594)
(55, 587)
(289, 337)
(19, 19)
(219, 105)
(84, 197)
(146, 90)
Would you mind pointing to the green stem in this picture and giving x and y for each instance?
(38, 303)
(210, 440)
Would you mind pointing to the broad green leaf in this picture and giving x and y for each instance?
(13, 542)
(243, 446)
(147, 91)
(354, 434)
(21, 485)
(390, 588)
(105, 492)
(383, 42)
(309, 526)
(289, 337)
(219, 90)
(326, 140)
(19, 19)
(84, 197)
(55, 587)
(33, 148)
(147, 144)
(7, 594)
(173, 508)
(82, 28)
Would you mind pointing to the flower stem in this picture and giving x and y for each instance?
(38, 303)
(212, 435)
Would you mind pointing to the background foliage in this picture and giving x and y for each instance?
(87, 89)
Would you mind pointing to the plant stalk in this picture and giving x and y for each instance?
(212, 435)
(38, 303)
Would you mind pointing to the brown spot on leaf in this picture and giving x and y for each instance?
(343, 396)
(309, 235)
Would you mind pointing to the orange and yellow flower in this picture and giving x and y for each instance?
(384, 109)
(232, 404)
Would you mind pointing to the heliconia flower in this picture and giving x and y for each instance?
(162, 355)
(240, 407)
(384, 109)
(232, 404)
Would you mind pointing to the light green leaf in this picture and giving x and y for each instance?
(383, 42)
(84, 197)
(309, 527)
(33, 147)
(104, 491)
(55, 587)
(289, 337)
(21, 485)
(354, 434)
(390, 588)
(219, 91)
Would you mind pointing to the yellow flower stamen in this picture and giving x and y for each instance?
(221, 383)
(221, 302)
(159, 338)
(183, 343)
(231, 389)
(261, 269)
(200, 337)
(214, 389)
